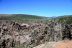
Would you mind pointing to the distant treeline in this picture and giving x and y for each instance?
(67, 19)
(19, 17)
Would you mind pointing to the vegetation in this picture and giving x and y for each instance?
(67, 19)
(22, 18)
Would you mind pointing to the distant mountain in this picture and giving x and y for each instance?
(24, 17)
(19, 17)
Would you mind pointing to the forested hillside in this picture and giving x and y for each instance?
(67, 19)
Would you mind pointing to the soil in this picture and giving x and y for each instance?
(64, 44)
(60, 44)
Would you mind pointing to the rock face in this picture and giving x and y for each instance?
(13, 34)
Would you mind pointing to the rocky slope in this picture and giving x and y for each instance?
(14, 34)
(30, 34)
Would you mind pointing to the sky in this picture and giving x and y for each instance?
(47, 8)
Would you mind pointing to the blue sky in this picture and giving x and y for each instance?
(36, 7)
